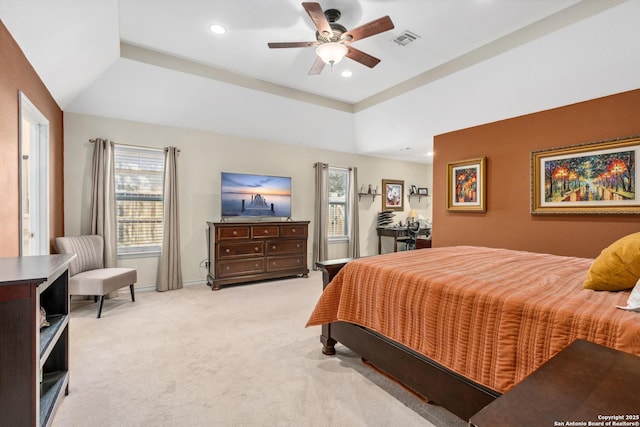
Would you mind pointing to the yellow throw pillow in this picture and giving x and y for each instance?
(617, 267)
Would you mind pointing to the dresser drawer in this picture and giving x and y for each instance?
(285, 263)
(283, 247)
(231, 233)
(264, 231)
(293, 230)
(240, 267)
(235, 249)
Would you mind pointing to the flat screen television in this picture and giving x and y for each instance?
(250, 195)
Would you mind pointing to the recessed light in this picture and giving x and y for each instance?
(346, 73)
(217, 29)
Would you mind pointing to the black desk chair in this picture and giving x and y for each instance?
(412, 234)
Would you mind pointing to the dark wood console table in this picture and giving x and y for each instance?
(396, 232)
(583, 383)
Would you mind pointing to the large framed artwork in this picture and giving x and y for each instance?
(466, 189)
(593, 178)
(393, 192)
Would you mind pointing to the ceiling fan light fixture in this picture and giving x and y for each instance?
(331, 53)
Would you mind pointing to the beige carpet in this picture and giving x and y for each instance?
(237, 357)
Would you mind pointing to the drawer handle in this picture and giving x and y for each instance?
(235, 232)
(256, 265)
(298, 245)
(257, 249)
(228, 251)
(273, 247)
(293, 230)
(227, 268)
(266, 231)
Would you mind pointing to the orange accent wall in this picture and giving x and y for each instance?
(507, 145)
(17, 74)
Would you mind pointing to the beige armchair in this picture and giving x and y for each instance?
(87, 276)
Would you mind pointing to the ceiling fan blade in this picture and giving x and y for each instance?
(374, 27)
(361, 57)
(317, 67)
(319, 20)
(291, 44)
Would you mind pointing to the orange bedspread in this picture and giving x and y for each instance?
(491, 315)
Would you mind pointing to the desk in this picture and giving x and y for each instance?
(583, 383)
(396, 232)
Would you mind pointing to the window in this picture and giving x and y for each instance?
(139, 176)
(338, 196)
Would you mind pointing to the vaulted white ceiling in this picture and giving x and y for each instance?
(474, 61)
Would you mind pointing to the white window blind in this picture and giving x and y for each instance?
(338, 196)
(139, 176)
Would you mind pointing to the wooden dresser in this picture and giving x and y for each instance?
(249, 251)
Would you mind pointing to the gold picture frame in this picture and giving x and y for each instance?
(592, 178)
(466, 185)
(392, 195)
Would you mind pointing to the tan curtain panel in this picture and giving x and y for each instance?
(170, 269)
(353, 214)
(321, 216)
(103, 199)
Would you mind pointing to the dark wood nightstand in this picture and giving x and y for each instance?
(583, 383)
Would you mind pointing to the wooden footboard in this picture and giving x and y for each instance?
(426, 377)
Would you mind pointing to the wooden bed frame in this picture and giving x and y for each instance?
(426, 377)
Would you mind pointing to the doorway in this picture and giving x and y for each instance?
(34, 179)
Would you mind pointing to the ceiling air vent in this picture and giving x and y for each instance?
(406, 37)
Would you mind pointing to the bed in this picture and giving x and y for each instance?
(462, 325)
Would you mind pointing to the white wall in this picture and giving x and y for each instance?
(203, 156)
(587, 60)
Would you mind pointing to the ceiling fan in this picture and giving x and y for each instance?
(333, 41)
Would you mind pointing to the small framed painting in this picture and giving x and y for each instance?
(592, 178)
(466, 189)
(393, 192)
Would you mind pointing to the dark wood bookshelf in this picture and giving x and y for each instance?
(34, 361)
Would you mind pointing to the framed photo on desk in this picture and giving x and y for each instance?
(393, 191)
